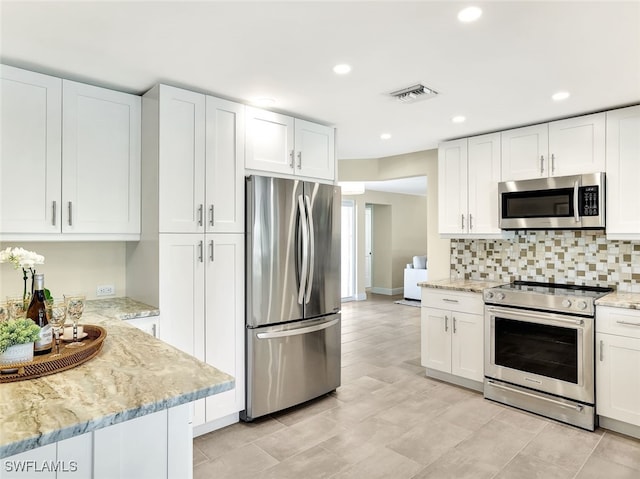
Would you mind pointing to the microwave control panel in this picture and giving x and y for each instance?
(589, 200)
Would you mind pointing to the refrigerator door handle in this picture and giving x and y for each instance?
(305, 250)
(298, 331)
(312, 249)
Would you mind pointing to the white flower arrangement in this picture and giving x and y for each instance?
(22, 258)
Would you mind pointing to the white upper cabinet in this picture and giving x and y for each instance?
(468, 176)
(224, 166)
(281, 144)
(100, 160)
(565, 147)
(31, 142)
(623, 173)
(181, 160)
(70, 166)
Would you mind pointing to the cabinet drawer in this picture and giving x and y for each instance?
(452, 300)
(619, 321)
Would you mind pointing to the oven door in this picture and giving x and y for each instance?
(544, 351)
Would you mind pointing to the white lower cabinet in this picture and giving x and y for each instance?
(154, 446)
(150, 325)
(452, 334)
(618, 365)
(202, 304)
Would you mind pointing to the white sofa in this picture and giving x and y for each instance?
(413, 274)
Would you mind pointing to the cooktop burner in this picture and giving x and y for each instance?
(569, 298)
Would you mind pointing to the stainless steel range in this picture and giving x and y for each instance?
(539, 349)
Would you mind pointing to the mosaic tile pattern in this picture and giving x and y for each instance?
(574, 257)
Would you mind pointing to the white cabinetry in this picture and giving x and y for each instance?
(154, 446)
(150, 325)
(452, 336)
(79, 147)
(281, 144)
(623, 173)
(190, 261)
(565, 147)
(618, 366)
(468, 176)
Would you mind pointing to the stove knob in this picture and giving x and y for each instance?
(581, 305)
(566, 303)
(489, 295)
(500, 296)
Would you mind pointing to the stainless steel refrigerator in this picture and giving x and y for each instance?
(292, 292)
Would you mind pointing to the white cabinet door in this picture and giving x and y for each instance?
(315, 155)
(30, 161)
(524, 153)
(225, 319)
(150, 325)
(618, 378)
(23, 465)
(452, 187)
(467, 346)
(436, 339)
(181, 161)
(269, 141)
(483, 179)
(76, 453)
(577, 145)
(101, 160)
(623, 173)
(224, 166)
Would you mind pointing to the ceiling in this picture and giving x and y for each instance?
(499, 72)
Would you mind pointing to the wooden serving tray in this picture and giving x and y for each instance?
(50, 364)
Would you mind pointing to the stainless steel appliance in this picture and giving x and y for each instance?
(563, 202)
(539, 349)
(293, 318)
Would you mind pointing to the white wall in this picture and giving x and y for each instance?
(70, 267)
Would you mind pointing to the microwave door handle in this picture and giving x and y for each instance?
(576, 203)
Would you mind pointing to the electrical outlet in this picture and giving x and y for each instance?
(105, 290)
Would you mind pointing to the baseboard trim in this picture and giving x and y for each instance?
(619, 426)
(457, 380)
(215, 425)
(387, 291)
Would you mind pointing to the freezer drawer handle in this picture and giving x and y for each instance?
(296, 332)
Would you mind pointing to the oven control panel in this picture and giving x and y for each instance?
(535, 300)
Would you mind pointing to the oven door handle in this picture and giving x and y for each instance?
(577, 407)
(551, 317)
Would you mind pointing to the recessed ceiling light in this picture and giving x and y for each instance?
(342, 69)
(469, 14)
(263, 101)
(385, 136)
(458, 119)
(561, 95)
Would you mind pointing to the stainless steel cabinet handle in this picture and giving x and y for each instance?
(70, 213)
(291, 156)
(470, 221)
(541, 164)
(446, 324)
(462, 223)
(211, 216)
(211, 254)
(553, 163)
(299, 160)
(200, 214)
(601, 350)
(448, 300)
(200, 252)
(153, 329)
(577, 407)
(454, 325)
(628, 323)
(53, 214)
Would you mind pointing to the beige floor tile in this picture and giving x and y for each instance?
(520, 419)
(294, 415)
(382, 464)
(244, 462)
(314, 463)
(598, 468)
(530, 467)
(619, 449)
(472, 413)
(453, 465)
(198, 456)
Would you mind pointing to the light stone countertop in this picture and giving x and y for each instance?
(469, 285)
(135, 374)
(121, 308)
(620, 300)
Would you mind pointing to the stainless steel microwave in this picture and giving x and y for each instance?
(561, 202)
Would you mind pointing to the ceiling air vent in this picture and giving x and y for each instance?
(413, 93)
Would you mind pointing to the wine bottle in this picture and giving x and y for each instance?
(37, 312)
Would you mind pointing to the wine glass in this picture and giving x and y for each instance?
(57, 313)
(4, 312)
(17, 307)
(75, 308)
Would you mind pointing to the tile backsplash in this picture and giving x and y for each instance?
(574, 257)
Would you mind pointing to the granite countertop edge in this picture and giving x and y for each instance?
(465, 285)
(620, 299)
(123, 308)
